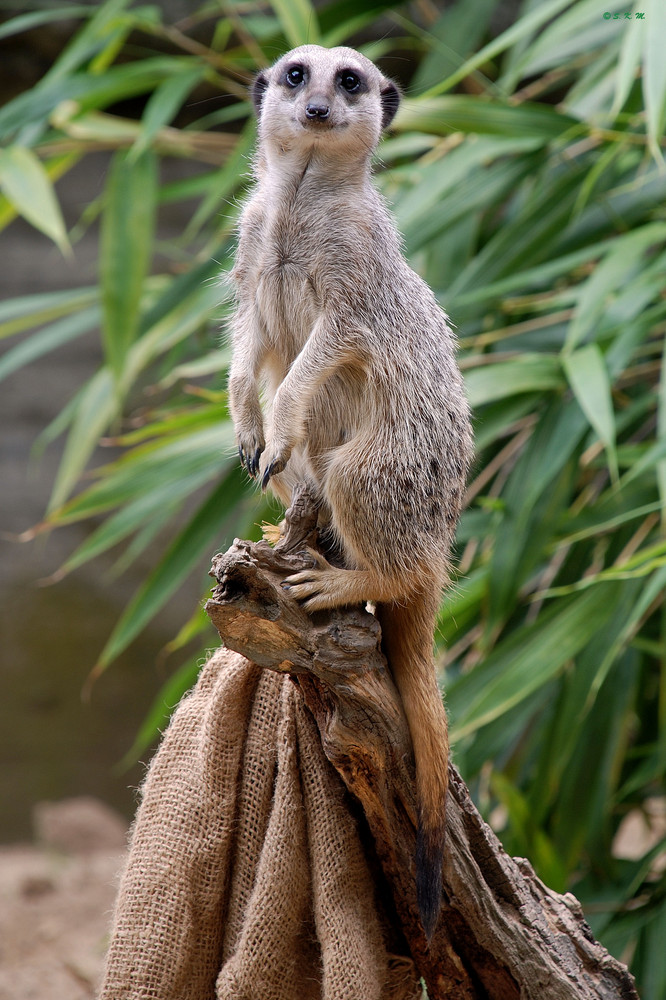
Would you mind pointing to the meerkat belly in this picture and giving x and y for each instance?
(340, 409)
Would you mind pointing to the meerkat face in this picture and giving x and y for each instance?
(314, 96)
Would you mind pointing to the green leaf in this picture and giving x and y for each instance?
(96, 407)
(26, 22)
(527, 236)
(163, 104)
(298, 21)
(535, 499)
(579, 689)
(654, 74)
(525, 26)
(525, 662)
(661, 432)
(33, 107)
(88, 41)
(628, 63)
(48, 339)
(135, 514)
(125, 251)
(460, 113)
(588, 377)
(183, 554)
(581, 29)
(581, 818)
(527, 373)
(620, 264)
(28, 187)
(28, 311)
(152, 466)
(464, 184)
(454, 35)
(652, 956)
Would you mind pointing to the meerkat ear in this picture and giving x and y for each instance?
(257, 89)
(390, 96)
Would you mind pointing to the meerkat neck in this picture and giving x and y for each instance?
(284, 169)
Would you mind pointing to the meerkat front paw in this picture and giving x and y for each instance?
(250, 449)
(273, 462)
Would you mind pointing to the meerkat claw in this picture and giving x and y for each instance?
(253, 464)
(318, 560)
(274, 467)
(249, 458)
(304, 587)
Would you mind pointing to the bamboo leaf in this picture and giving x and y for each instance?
(460, 113)
(588, 377)
(654, 74)
(661, 433)
(33, 107)
(87, 42)
(28, 187)
(581, 28)
(454, 35)
(298, 21)
(527, 373)
(633, 41)
(144, 537)
(163, 105)
(524, 27)
(579, 689)
(48, 339)
(28, 311)
(135, 514)
(525, 662)
(581, 816)
(184, 553)
(125, 251)
(623, 261)
(152, 466)
(95, 408)
(26, 22)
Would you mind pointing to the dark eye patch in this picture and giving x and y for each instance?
(351, 82)
(294, 76)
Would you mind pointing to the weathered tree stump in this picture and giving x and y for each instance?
(502, 934)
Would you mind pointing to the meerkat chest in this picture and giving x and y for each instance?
(285, 281)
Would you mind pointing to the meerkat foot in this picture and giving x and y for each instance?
(326, 586)
(315, 589)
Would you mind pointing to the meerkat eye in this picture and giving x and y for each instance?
(350, 81)
(295, 76)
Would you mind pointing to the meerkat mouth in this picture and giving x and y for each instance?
(316, 125)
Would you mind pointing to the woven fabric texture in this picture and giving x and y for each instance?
(247, 877)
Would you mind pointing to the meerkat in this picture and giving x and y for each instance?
(343, 375)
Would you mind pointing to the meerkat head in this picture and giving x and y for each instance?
(314, 96)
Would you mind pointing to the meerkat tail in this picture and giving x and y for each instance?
(407, 630)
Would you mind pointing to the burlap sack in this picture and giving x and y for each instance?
(247, 877)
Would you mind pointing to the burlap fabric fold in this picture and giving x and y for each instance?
(247, 877)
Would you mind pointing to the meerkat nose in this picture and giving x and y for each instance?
(317, 110)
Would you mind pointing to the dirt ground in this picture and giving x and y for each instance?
(56, 899)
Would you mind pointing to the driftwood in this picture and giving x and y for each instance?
(502, 934)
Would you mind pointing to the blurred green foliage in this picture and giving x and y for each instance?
(526, 172)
